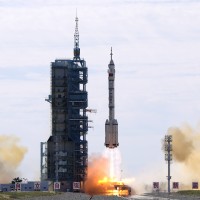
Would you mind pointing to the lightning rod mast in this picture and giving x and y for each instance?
(168, 156)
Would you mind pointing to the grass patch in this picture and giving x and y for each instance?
(24, 195)
(189, 192)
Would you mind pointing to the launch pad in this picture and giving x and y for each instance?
(64, 157)
(113, 187)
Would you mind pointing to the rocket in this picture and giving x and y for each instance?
(111, 125)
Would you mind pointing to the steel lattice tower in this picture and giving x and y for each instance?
(67, 151)
(168, 156)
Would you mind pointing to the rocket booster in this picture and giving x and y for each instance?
(111, 125)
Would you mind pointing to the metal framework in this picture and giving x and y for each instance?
(43, 161)
(67, 148)
(168, 156)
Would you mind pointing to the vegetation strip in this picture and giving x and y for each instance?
(189, 192)
(23, 195)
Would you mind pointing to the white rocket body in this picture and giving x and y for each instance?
(111, 125)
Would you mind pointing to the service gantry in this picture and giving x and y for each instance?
(67, 148)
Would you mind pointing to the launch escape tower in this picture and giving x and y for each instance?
(67, 152)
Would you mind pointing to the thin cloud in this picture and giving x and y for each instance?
(156, 52)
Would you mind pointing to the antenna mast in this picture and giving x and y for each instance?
(168, 156)
(76, 41)
(111, 54)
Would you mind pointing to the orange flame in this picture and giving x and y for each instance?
(98, 181)
(98, 168)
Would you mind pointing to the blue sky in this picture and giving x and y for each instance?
(156, 53)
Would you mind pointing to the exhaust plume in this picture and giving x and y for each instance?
(98, 168)
(11, 155)
(104, 174)
(114, 157)
(186, 153)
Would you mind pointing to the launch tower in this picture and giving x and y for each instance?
(111, 125)
(67, 152)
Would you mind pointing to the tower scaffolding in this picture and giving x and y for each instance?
(67, 147)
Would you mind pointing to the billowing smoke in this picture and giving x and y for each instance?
(185, 166)
(11, 155)
(103, 170)
(98, 168)
(186, 153)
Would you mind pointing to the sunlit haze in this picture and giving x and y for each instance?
(156, 45)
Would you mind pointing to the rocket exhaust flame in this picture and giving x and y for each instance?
(114, 157)
(98, 169)
(103, 175)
